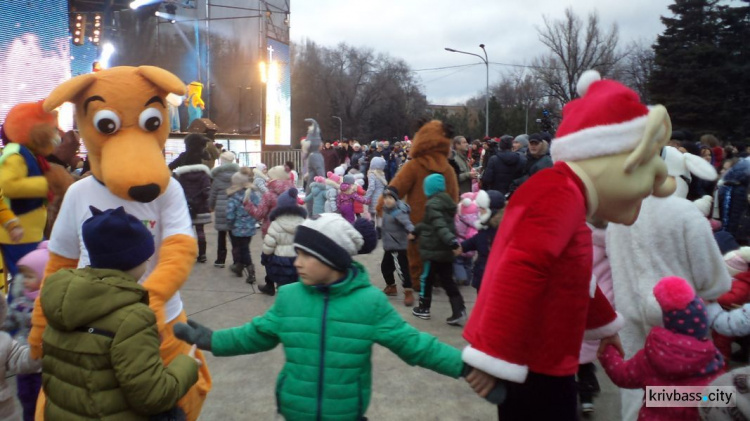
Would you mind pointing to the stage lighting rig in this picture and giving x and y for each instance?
(79, 29)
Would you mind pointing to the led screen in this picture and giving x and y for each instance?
(278, 94)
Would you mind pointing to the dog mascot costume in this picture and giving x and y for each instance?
(429, 155)
(121, 114)
(539, 298)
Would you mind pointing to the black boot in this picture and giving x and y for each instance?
(237, 268)
(459, 311)
(423, 309)
(250, 270)
(268, 289)
(221, 257)
(201, 251)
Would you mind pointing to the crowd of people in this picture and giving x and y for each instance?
(435, 204)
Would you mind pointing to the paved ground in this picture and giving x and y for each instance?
(244, 386)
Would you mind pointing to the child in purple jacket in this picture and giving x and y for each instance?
(346, 198)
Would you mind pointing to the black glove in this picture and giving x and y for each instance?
(194, 333)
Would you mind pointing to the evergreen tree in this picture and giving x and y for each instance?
(701, 68)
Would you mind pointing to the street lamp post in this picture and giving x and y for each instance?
(487, 85)
(341, 128)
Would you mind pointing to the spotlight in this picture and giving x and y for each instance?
(107, 51)
(79, 29)
(97, 32)
(172, 21)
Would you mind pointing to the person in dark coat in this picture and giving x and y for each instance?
(503, 168)
(195, 146)
(217, 202)
(195, 179)
(537, 159)
(330, 157)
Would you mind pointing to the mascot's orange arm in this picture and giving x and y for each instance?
(403, 182)
(16, 183)
(38, 321)
(176, 257)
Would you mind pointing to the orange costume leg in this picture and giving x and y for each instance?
(415, 264)
(192, 402)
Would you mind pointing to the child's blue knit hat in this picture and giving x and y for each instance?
(116, 240)
(433, 184)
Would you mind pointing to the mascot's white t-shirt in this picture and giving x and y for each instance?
(165, 216)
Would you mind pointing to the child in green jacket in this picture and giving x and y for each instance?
(438, 248)
(101, 346)
(328, 324)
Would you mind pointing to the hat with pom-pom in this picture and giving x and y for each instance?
(467, 205)
(329, 238)
(278, 173)
(682, 311)
(319, 179)
(607, 119)
(737, 260)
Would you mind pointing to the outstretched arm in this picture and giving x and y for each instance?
(628, 374)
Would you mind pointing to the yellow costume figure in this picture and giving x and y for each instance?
(194, 102)
(122, 117)
(26, 178)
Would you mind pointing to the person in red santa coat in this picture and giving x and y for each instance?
(539, 298)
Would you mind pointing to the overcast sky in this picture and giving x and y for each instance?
(419, 30)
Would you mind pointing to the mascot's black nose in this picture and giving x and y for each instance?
(144, 193)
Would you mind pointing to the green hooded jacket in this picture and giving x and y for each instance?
(437, 231)
(328, 333)
(101, 350)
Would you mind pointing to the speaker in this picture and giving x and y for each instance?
(203, 126)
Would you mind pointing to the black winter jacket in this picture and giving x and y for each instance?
(501, 170)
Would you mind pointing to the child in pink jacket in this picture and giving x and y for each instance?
(678, 354)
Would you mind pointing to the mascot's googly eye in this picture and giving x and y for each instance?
(106, 121)
(663, 154)
(150, 119)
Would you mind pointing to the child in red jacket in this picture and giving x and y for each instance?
(678, 354)
(737, 264)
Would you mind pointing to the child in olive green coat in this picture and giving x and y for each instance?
(101, 344)
(327, 324)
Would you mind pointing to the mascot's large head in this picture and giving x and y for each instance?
(28, 124)
(616, 141)
(121, 114)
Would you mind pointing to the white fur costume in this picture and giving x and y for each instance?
(670, 238)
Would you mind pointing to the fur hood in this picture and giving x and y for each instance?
(192, 168)
(230, 168)
(259, 173)
(332, 184)
(431, 146)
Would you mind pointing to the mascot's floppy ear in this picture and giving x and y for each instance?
(700, 168)
(163, 79)
(68, 90)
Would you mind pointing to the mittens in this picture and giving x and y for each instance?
(194, 333)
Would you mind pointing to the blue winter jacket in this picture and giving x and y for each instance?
(239, 221)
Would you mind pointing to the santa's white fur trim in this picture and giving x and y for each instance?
(607, 330)
(495, 366)
(587, 78)
(611, 139)
(592, 286)
(483, 199)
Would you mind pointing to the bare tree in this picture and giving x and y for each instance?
(573, 50)
(637, 68)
